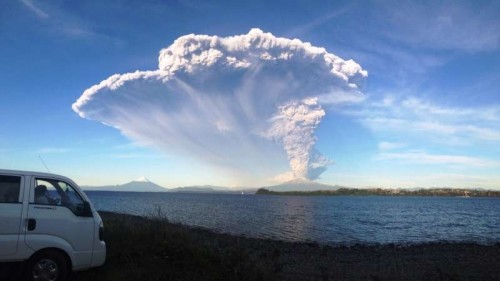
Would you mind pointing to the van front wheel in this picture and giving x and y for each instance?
(46, 266)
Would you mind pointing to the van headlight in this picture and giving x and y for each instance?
(101, 231)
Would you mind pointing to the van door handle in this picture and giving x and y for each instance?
(31, 224)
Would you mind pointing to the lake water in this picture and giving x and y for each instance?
(337, 220)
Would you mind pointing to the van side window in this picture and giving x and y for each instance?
(9, 189)
(46, 193)
(59, 193)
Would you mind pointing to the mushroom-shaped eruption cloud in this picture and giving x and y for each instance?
(244, 102)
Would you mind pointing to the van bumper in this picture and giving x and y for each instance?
(99, 255)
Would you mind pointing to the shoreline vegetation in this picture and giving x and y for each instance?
(151, 248)
(446, 192)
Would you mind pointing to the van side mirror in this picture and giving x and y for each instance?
(87, 211)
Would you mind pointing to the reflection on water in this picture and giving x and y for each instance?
(299, 214)
(330, 220)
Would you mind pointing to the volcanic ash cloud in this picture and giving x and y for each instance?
(242, 102)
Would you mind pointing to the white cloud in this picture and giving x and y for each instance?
(413, 180)
(461, 178)
(321, 20)
(464, 181)
(53, 150)
(222, 99)
(425, 158)
(417, 118)
(385, 145)
(35, 9)
(134, 156)
(60, 20)
(419, 123)
(340, 97)
(418, 106)
(444, 25)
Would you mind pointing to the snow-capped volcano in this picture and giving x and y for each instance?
(142, 179)
(141, 184)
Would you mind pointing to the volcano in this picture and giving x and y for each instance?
(301, 184)
(141, 184)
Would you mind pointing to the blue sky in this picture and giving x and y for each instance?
(429, 116)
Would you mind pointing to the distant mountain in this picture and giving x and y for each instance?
(301, 185)
(198, 189)
(141, 184)
(212, 189)
(144, 185)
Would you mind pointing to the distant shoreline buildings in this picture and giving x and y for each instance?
(445, 192)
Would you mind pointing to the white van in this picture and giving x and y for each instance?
(50, 224)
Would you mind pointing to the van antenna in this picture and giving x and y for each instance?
(43, 162)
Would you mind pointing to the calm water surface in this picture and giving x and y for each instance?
(324, 219)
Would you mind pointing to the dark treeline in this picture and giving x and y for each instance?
(389, 192)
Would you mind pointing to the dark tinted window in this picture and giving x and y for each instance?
(9, 189)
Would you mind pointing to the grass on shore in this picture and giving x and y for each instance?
(154, 249)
